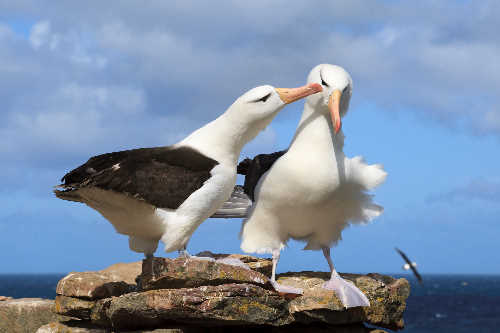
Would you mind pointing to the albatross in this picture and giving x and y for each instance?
(165, 193)
(312, 191)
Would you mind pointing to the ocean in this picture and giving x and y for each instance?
(444, 303)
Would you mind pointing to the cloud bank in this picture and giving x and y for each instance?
(88, 74)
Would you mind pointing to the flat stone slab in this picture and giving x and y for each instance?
(227, 304)
(115, 280)
(165, 273)
(25, 315)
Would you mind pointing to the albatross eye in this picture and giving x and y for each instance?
(323, 83)
(263, 99)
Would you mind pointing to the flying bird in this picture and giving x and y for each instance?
(165, 193)
(410, 265)
(312, 191)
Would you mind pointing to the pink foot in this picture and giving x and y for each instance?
(286, 289)
(201, 258)
(233, 262)
(347, 292)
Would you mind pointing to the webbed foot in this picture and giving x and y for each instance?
(347, 292)
(282, 289)
(233, 262)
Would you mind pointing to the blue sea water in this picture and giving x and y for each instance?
(454, 303)
(444, 303)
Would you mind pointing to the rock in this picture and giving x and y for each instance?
(73, 306)
(261, 265)
(115, 280)
(208, 293)
(5, 298)
(82, 327)
(227, 304)
(71, 327)
(161, 273)
(26, 314)
(387, 299)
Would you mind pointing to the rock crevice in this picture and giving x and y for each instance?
(187, 295)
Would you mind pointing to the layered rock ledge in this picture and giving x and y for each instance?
(190, 295)
(26, 315)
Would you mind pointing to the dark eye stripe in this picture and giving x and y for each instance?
(323, 81)
(263, 99)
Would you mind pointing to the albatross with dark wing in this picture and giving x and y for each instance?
(165, 193)
(312, 191)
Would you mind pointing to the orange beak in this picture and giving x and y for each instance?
(334, 106)
(290, 95)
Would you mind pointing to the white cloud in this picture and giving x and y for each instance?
(477, 189)
(40, 34)
(170, 68)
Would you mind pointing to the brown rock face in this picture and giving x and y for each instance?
(115, 280)
(161, 273)
(79, 327)
(387, 299)
(25, 315)
(199, 293)
(261, 265)
(227, 304)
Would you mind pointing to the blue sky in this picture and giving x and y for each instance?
(79, 79)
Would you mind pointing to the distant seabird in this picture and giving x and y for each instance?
(312, 191)
(165, 193)
(410, 265)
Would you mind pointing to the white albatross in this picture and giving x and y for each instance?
(312, 191)
(165, 193)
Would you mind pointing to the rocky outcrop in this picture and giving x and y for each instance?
(115, 280)
(80, 327)
(185, 295)
(26, 315)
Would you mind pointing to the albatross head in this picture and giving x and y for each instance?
(337, 90)
(224, 137)
(266, 101)
(256, 108)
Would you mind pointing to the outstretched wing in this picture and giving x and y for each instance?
(254, 168)
(162, 176)
(413, 268)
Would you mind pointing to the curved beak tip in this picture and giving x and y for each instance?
(291, 95)
(334, 107)
(316, 87)
(338, 126)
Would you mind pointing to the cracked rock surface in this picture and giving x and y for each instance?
(160, 293)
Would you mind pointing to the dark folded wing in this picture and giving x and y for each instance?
(162, 176)
(254, 168)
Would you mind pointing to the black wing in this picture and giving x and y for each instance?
(405, 258)
(162, 176)
(254, 168)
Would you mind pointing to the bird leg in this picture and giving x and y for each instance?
(279, 287)
(345, 290)
(183, 253)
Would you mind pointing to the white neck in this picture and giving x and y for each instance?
(223, 138)
(315, 132)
